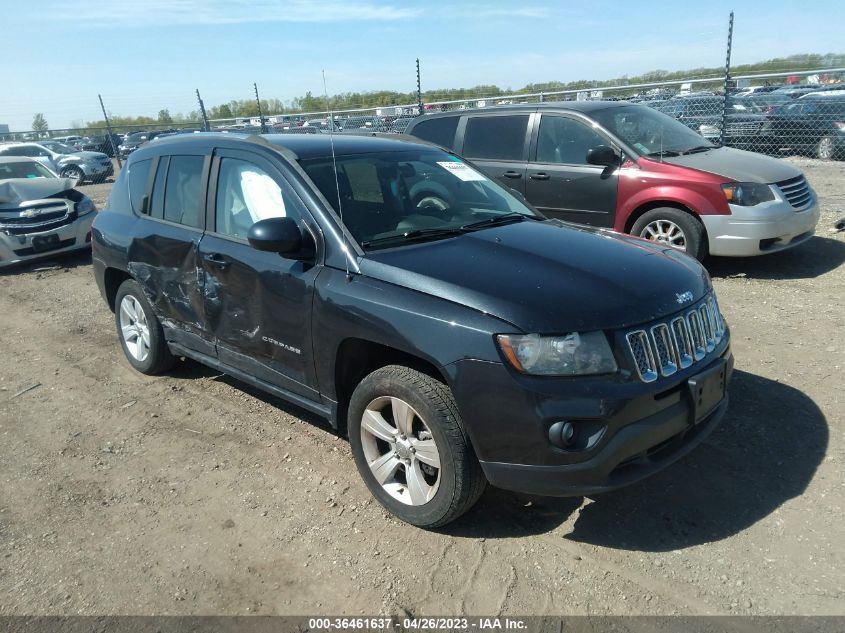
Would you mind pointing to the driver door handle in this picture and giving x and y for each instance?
(512, 174)
(218, 260)
(540, 175)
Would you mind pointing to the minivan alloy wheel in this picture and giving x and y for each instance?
(400, 450)
(665, 232)
(134, 328)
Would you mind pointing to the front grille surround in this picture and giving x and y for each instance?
(668, 346)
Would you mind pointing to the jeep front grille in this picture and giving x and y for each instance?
(667, 346)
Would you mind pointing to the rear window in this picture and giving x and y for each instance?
(496, 137)
(183, 190)
(440, 131)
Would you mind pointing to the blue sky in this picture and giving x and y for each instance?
(145, 55)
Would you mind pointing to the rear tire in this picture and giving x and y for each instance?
(674, 228)
(401, 423)
(139, 331)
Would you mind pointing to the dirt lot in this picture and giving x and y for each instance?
(193, 494)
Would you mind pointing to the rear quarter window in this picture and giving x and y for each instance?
(440, 131)
(139, 176)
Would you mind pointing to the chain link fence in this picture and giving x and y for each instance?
(784, 113)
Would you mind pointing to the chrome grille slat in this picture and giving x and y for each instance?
(644, 361)
(668, 346)
(796, 191)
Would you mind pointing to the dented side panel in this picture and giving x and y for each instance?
(164, 260)
(258, 308)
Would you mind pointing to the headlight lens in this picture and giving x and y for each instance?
(709, 130)
(575, 354)
(85, 206)
(747, 194)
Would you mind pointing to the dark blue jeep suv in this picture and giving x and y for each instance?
(458, 336)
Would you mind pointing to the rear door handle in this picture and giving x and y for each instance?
(512, 174)
(218, 260)
(540, 175)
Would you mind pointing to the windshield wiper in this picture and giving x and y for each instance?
(665, 152)
(697, 149)
(505, 218)
(413, 236)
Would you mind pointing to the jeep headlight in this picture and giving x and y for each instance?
(575, 354)
(747, 194)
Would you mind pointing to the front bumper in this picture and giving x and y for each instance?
(765, 228)
(631, 429)
(74, 236)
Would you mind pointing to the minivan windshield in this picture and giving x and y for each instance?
(393, 198)
(649, 132)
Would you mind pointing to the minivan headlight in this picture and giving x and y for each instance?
(747, 194)
(575, 354)
(85, 206)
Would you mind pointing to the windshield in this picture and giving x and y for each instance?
(649, 132)
(389, 198)
(58, 148)
(24, 169)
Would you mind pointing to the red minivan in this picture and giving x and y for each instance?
(633, 169)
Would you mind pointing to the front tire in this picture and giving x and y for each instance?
(139, 331)
(825, 148)
(74, 172)
(410, 447)
(674, 228)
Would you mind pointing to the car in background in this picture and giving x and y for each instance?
(40, 213)
(366, 123)
(400, 124)
(102, 143)
(136, 139)
(65, 161)
(703, 114)
(631, 168)
(67, 140)
(810, 125)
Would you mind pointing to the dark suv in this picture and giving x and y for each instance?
(455, 342)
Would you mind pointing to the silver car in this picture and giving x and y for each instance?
(41, 214)
(64, 160)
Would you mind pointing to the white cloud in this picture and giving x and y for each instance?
(215, 12)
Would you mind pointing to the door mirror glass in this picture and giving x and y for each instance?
(603, 155)
(276, 235)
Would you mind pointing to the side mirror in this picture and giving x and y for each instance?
(276, 235)
(604, 156)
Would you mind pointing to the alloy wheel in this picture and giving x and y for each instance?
(825, 150)
(134, 328)
(400, 450)
(665, 232)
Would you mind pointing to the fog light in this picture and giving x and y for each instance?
(562, 433)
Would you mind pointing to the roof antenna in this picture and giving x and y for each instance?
(334, 167)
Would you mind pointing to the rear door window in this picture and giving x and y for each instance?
(496, 137)
(440, 131)
(183, 191)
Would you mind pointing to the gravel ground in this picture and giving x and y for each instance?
(194, 494)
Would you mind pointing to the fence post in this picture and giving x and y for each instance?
(205, 126)
(260, 115)
(111, 138)
(419, 89)
(725, 105)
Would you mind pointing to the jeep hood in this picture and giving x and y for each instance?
(738, 165)
(547, 277)
(15, 191)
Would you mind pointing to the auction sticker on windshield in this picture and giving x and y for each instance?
(462, 171)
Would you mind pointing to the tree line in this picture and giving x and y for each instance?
(352, 100)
